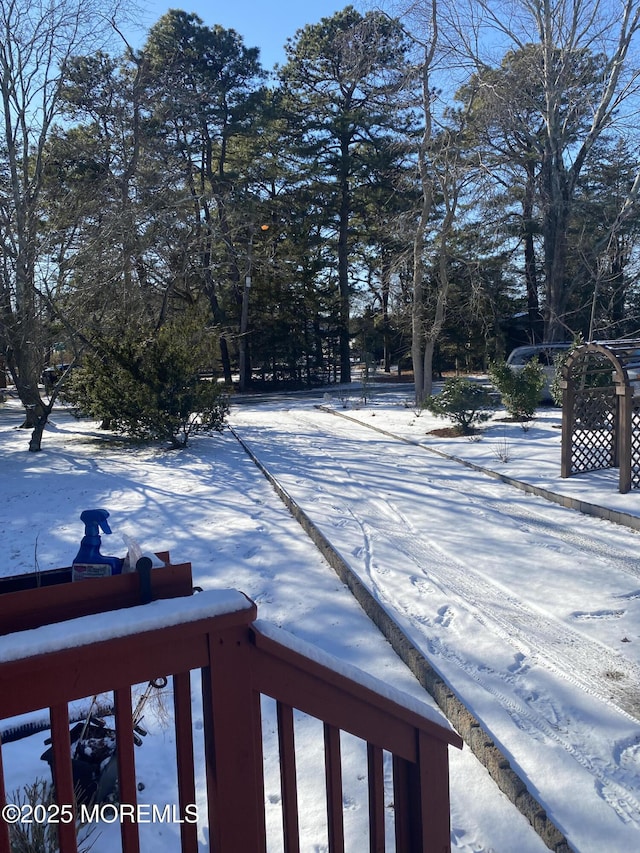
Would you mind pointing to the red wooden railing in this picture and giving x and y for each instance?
(240, 660)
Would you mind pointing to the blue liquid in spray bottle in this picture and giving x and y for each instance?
(89, 562)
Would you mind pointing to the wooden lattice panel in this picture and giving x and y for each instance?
(593, 445)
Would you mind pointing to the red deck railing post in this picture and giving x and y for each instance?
(4, 827)
(421, 797)
(232, 737)
(408, 831)
(375, 766)
(333, 776)
(434, 787)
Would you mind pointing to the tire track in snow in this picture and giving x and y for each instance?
(549, 641)
(621, 797)
(536, 637)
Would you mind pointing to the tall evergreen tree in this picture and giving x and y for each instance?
(343, 82)
(601, 258)
(205, 98)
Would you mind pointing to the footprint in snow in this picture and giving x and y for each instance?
(626, 808)
(627, 752)
(630, 596)
(519, 666)
(445, 615)
(422, 586)
(585, 616)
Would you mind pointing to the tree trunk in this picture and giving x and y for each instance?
(226, 361)
(24, 369)
(418, 352)
(555, 228)
(428, 369)
(343, 268)
(619, 258)
(35, 442)
(530, 266)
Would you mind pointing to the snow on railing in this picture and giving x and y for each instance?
(239, 660)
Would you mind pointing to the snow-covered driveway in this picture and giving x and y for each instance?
(529, 611)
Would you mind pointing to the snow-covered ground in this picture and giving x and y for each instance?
(528, 610)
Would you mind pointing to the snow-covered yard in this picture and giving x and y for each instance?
(528, 610)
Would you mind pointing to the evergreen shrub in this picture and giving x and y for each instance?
(464, 402)
(146, 384)
(519, 390)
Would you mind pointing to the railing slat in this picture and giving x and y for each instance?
(63, 773)
(333, 774)
(406, 831)
(288, 782)
(126, 766)
(376, 798)
(184, 757)
(4, 827)
(434, 786)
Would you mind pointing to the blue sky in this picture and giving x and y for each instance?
(266, 25)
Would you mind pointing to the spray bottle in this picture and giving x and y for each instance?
(89, 562)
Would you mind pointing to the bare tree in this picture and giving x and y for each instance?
(563, 35)
(443, 173)
(37, 40)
